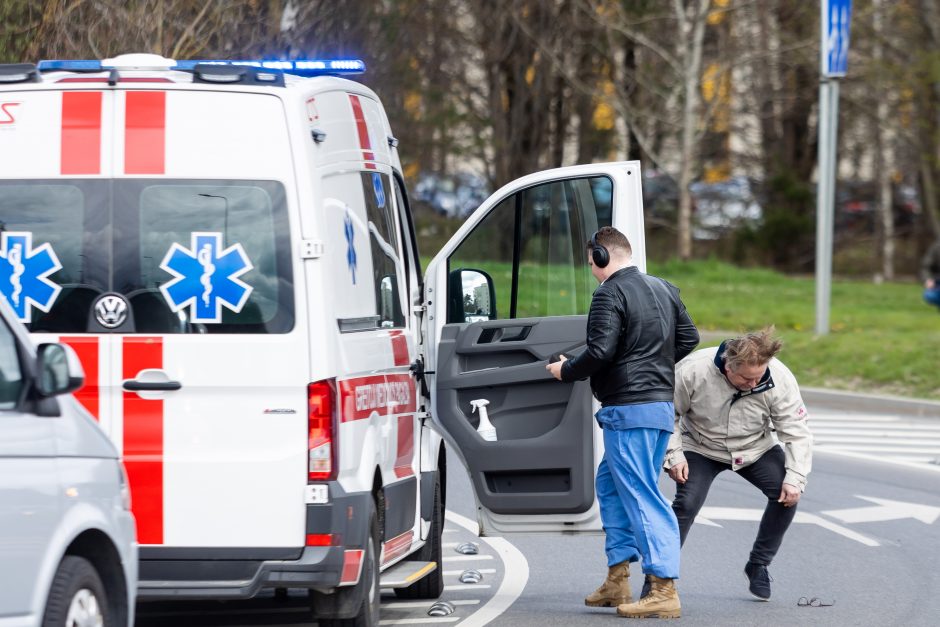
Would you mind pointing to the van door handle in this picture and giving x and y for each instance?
(152, 380)
(149, 386)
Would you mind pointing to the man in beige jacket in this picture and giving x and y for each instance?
(728, 402)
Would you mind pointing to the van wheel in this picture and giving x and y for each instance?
(77, 597)
(368, 615)
(431, 585)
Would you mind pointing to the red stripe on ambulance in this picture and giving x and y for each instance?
(87, 350)
(400, 348)
(405, 453)
(145, 132)
(143, 440)
(363, 129)
(397, 546)
(81, 132)
(386, 395)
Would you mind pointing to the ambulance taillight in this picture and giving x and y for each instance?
(321, 427)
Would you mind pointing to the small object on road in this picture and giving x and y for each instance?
(471, 576)
(468, 548)
(441, 608)
(814, 602)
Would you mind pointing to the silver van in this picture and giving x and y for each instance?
(68, 552)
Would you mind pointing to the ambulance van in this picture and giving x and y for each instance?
(228, 247)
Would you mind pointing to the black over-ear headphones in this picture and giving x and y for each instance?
(599, 254)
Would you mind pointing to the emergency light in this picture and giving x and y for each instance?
(298, 67)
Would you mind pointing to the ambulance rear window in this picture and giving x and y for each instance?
(187, 256)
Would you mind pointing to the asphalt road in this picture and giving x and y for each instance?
(866, 539)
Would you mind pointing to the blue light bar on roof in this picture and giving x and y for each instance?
(299, 67)
(70, 66)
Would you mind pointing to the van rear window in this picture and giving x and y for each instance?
(187, 256)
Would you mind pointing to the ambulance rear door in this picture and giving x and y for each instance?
(508, 291)
(218, 357)
(167, 212)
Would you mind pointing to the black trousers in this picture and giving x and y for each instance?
(766, 474)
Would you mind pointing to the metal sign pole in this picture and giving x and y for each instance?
(833, 58)
(823, 216)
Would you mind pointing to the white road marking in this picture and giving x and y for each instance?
(741, 513)
(468, 586)
(466, 558)
(421, 621)
(886, 509)
(906, 461)
(409, 605)
(482, 571)
(515, 575)
(912, 442)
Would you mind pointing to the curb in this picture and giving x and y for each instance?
(855, 401)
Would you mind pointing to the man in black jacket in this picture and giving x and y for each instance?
(637, 330)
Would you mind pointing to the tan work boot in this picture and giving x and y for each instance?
(615, 590)
(661, 602)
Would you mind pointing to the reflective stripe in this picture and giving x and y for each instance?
(405, 453)
(145, 132)
(397, 546)
(399, 348)
(81, 132)
(143, 440)
(363, 129)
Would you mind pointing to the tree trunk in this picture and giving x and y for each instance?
(884, 150)
(692, 29)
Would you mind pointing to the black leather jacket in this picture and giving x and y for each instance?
(637, 330)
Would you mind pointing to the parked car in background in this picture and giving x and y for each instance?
(67, 537)
(660, 197)
(453, 196)
(856, 204)
(724, 206)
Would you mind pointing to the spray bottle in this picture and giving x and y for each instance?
(486, 429)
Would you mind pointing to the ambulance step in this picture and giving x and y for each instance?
(403, 574)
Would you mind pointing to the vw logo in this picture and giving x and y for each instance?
(111, 310)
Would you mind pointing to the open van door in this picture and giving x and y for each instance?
(508, 291)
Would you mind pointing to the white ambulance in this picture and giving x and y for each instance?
(228, 247)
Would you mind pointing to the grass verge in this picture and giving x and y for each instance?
(884, 339)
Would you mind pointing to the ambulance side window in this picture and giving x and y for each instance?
(532, 246)
(206, 256)
(54, 255)
(384, 243)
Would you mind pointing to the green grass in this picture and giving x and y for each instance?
(883, 338)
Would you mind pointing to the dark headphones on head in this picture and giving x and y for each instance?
(599, 254)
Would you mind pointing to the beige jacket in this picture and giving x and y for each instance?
(713, 420)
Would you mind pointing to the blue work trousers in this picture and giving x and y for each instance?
(637, 518)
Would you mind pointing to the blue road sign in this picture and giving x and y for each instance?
(836, 19)
(206, 277)
(24, 274)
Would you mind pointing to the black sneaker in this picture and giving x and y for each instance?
(759, 580)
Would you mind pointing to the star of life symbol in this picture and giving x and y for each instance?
(350, 246)
(206, 277)
(24, 273)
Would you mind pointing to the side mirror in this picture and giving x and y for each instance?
(58, 370)
(471, 296)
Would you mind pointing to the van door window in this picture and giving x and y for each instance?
(532, 247)
(384, 243)
(11, 377)
(204, 256)
(46, 224)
